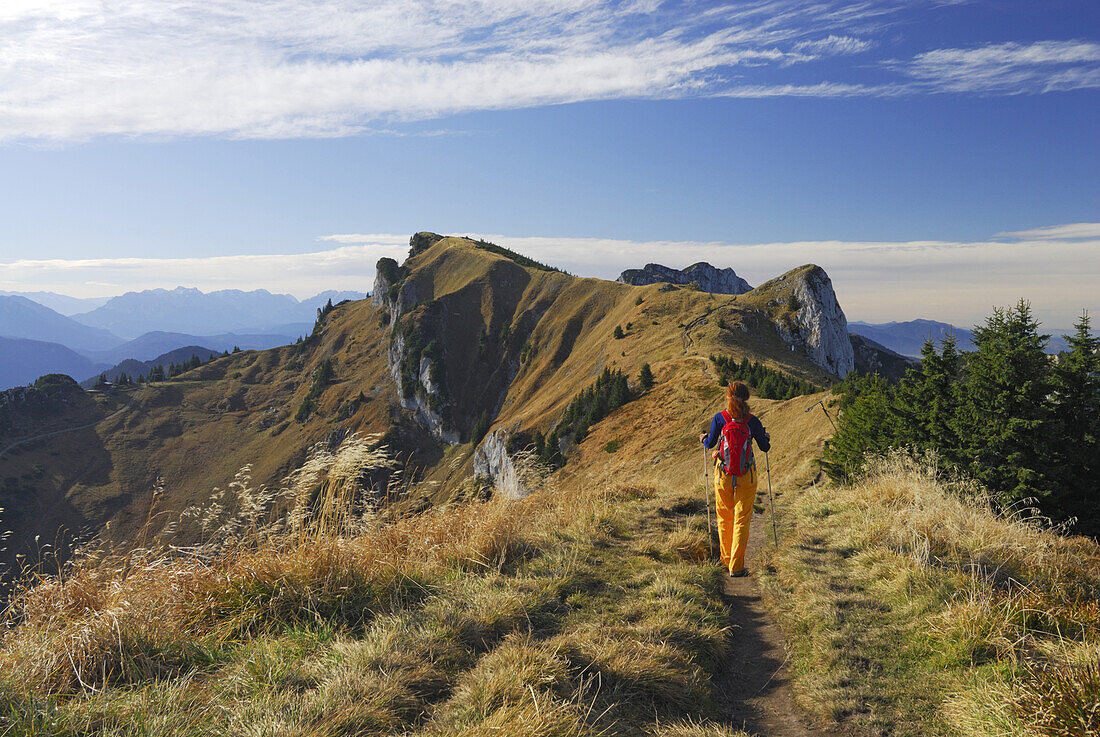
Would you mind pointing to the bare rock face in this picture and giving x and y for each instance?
(426, 401)
(813, 321)
(387, 273)
(491, 460)
(706, 277)
(824, 323)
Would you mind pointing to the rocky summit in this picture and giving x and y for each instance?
(706, 277)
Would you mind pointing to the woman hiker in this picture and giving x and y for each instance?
(734, 495)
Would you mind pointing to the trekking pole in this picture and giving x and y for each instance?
(771, 498)
(706, 500)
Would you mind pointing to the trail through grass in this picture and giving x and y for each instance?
(566, 613)
(912, 609)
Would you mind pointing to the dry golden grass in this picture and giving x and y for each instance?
(697, 729)
(539, 616)
(113, 618)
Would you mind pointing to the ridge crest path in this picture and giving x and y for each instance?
(753, 690)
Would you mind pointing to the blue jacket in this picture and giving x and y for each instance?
(759, 434)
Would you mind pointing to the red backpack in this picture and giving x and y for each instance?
(735, 447)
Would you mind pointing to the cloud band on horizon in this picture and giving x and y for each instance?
(1055, 268)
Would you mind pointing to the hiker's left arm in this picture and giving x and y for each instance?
(760, 435)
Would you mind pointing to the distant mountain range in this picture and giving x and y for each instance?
(23, 318)
(60, 303)
(41, 340)
(907, 338)
(22, 361)
(157, 343)
(185, 310)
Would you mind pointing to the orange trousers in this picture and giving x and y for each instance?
(734, 508)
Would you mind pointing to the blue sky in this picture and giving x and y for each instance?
(930, 155)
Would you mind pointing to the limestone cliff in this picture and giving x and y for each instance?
(809, 317)
(706, 277)
(492, 461)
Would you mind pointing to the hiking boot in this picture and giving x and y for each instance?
(739, 574)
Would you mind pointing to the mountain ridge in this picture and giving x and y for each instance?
(24, 318)
(192, 311)
(464, 332)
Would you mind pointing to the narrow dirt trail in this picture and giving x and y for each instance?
(754, 690)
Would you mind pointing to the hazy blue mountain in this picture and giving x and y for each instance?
(318, 300)
(158, 343)
(62, 304)
(24, 318)
(134, 369)
(184, 310)
(22, 361)
(907, 338)
(192, 312)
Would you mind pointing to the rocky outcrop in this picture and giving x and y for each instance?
(422, 241)
(706, 277)
(491, 460)
(387, 274)
(425, 396)
(812, 319)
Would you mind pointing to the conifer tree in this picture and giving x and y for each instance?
(1077, 409)
(645, 377)
(865, 427)
(1005, 423)
(926, 404)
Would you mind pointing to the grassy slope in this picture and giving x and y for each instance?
(603, 588)
(196, 431)
(587, 608)
(912, 610)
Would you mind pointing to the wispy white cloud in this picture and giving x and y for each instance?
(348, 267)
(1008, 68)
(1057, 232)
(334, 67)
(70, 69)
(1056, 268)
(821, 89)
(833, 44)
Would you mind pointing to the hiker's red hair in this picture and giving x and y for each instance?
(735, 405)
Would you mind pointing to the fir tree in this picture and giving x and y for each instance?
(1077, 409)
(1005, 422)
(926, 403)
(865, 426)
(645, 378)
